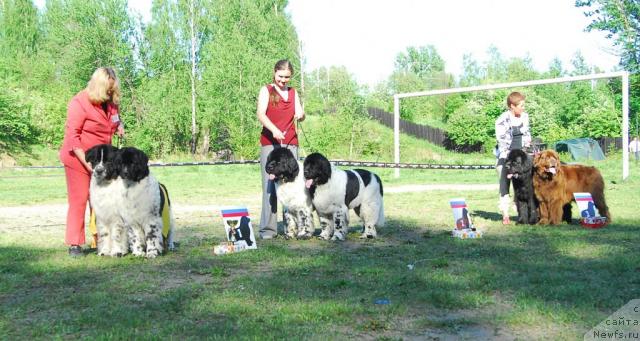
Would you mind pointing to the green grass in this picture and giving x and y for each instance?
(517, 282)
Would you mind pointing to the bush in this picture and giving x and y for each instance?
(469, 126)
(16, 130)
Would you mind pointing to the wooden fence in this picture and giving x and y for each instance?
(439, 137)
(433, 135)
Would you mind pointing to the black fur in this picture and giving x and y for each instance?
(284, 168)
(102, 158)
(353, 188)
(380, 182)
(335, 191)
(320, 172)
(519, 166)
(162, 193)
(142, 206)
(243, 232)
(365, 175)
(132, 164)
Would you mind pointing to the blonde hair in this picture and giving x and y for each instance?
(98, 87)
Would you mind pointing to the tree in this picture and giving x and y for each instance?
(421, 61)
(621, 19)
(419, 69)
(19, 31)
(248, 37)
(78, 36)
(334, 92)
(164, 117)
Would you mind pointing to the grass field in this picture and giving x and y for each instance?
(518, 282)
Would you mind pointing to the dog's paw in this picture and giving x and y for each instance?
(324, 236)
(138, 253)
(367, 236)
(152, 253)
(338, 235)
(304, 235)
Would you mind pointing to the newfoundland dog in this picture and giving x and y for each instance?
(554, 184)
(335, 191)
(105, 195)
(143, 206)
(519, 168)
(286, 171)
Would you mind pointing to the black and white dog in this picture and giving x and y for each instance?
(142, 205)
(335, 191)
(286, 171)
(519, 168)
(105, 195)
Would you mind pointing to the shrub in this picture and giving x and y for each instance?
(469, 126)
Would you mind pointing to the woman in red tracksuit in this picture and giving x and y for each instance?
(92, 118)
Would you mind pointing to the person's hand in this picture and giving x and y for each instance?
(299, 116)
(120, 130)
(278, 135)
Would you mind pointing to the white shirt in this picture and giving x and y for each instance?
(634, 146)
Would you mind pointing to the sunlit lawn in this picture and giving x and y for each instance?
(517, 282)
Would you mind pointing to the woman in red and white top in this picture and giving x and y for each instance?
(278, 107)
(92, 118)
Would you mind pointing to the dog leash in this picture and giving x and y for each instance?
(119, 141)
(304, 136)
(295, 127)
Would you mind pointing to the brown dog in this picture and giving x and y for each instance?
(554, 185)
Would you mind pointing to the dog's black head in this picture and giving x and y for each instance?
(132, 164)
(518, 164)
(317, 170)
(102, 157)
(282, 165)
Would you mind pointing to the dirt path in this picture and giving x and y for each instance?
(52, 216)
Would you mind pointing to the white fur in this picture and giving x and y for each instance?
(329, 202)
(140, 210)
(298, 207)
(105, 196)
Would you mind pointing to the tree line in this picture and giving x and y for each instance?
(190, 77)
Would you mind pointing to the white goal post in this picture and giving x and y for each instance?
(625, 107)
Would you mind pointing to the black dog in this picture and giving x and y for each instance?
(242, 232)
(519, 168)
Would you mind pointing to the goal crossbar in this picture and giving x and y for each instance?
(625, 106)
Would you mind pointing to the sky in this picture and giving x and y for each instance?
(365, 36)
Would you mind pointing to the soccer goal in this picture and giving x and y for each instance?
(625, 106)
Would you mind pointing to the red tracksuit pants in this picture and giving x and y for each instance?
(78, 195)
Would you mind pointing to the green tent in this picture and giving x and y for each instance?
(583, 148)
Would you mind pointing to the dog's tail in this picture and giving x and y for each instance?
(381, 215)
